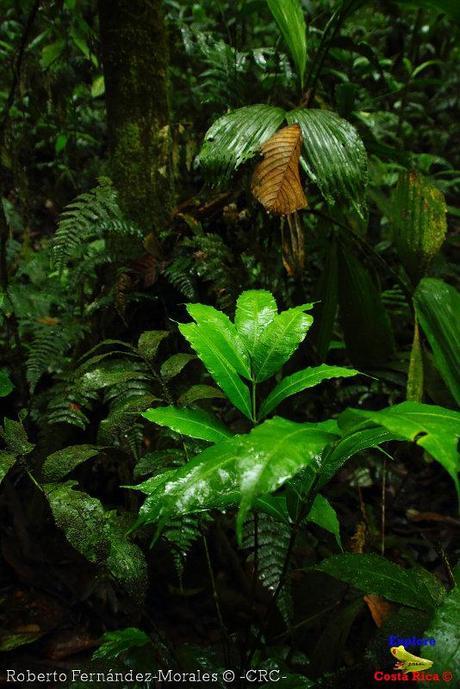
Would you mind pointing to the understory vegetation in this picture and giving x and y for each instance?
(230, 327)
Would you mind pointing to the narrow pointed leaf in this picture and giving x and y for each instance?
(195, 423)
(434, 428)
(174, 365)
(276, 180)
(255, 309)
(438, 309)
(223, 332)
(418, 216)
(301, 380)
(60, 463)
(324, 515)
(214, 358)
(335, 156)
(279, 341)
(415, 587)
(199, 392)
(235, 138)
(288, 14)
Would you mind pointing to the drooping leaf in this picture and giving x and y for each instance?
(415, 587)
(276, 180)
(434, 428)
(438, 308)
(174, 365)
(445, 654)
(81, 518)
(288, 14)
(301, 380)
(220, 330)
(213, 355)
(7, 460)
(15, 437)
(199, 392)
(236, 137)
(324, 515)
(279, 341)
(255, 309)
(240, 469)
(125, 560)
(60, 463)
(366, 326)
(195, 423)
(418, 215)
(335, 157)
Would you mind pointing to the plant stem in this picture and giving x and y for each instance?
(254, 402)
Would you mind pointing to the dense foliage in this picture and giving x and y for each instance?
(230, 374)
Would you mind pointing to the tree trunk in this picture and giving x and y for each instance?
(135, 59)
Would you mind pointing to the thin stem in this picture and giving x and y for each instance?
(215, 596)
(384, 482)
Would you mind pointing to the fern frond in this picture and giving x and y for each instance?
(181, 534)
(178, 273)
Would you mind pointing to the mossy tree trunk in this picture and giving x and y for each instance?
(135, 60)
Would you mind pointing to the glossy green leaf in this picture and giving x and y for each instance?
(240, 469)
(7, 460)
(418, 216)
(213, 354)
(60, 463)
(199, 392)
(224, 334)
(367, 329)
(334, 156)
(15, 437)
(324, 515)
(125, 561)
(279, 341)
(236, 137)
(434, 428)
(255, 309)
(438, 309)
(374, 574)
(81, 518)
(195, 423)
(444, 628)
(289, 17)
(116, 643)
(174, 365)
(301, 380)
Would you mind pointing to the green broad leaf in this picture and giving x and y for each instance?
(438, 308)
(98, 87)
(15, 437)
(239, 469)
(367, 329)
(279, 341)
(301, 380)
(235, 138)
(125, 561)
(214, 358)
(199, 392)
(324, 515)
(334, 156)
(6, 386)
(352, 442)
(115, 644)
(195, 423)
(275, 506)
(418, 216)
(174, 365)
(374, 574)
(444, 628)
(255, 309)
(7, 461)
(224, 334)
(51, 52)
(149, 342)
(110, 373)
(60, 463)
(289, 17)
(81, 518)
(434, 428)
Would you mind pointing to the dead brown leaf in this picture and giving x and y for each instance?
(379, 608)
(276, 179)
